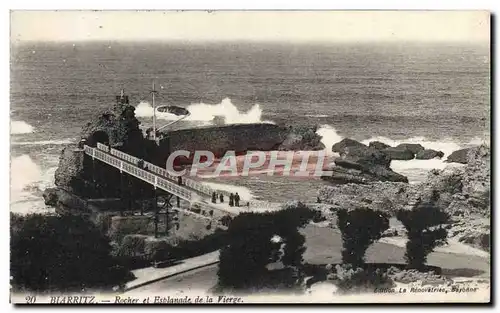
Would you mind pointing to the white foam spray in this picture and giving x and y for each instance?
(203, 112)
(20, 127)
(28, 180)
(329, 137)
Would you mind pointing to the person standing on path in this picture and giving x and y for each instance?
(231, 200)
(237, 199)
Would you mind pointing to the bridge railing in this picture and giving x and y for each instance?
(151, 178)
(191, 183)
(102, 147)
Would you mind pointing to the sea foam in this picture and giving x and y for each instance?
(20, 127)
(207, 112)
(28, 180)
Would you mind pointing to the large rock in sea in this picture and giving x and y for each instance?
(459, 156)
(361, 165)
(344, 143)
(302, 139)
(378, 145)
(413, 147)
(428, 154)
(399, 153)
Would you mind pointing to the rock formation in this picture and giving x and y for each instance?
(399, 153)
(384, 196)
(412, 147)
(344, 143)
(463, 192)
(378, 145)
(428, 154)
(361, 164)
(459, 156)
(302, 139)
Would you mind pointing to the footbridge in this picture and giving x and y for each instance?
(196, 194)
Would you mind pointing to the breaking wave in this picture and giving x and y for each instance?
(329, 137)
(28, 180)
(20, 127)
(207, 112)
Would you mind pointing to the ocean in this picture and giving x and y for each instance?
(434, 94)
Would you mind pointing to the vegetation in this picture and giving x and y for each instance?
(257, 240)
(356, 279)
(50, 252)
(423, 225)
(360, 228)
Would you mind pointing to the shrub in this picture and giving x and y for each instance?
(191, 248)
(159, 249)
(244, 260)
(349, 279)
(50, 252)
(226, 220)
(131, 246)
(423, 234)
(359, 228)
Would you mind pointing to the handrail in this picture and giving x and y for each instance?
(151, 178)
(191, 183)
(102, 147)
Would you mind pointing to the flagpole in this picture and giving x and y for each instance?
(154, 112)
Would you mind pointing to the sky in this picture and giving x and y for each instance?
(288, 26)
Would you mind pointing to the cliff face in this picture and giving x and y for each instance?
(70, 172)
(119, 128)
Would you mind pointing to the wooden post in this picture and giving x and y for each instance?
(123, 201)
(155, 206)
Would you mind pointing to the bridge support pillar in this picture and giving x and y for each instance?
(155, 208)
(122, 195)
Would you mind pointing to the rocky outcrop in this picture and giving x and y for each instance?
(378, 145)
(475, 232)
(463, 192)
(384, 196)
(459, 156)
(362, 165)
(412, 147)
(302, 139)
(428, 154)
(50, 197)
(344, 143)
(398, 153)
(70, 174)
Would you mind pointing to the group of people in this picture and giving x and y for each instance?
(234, 199)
